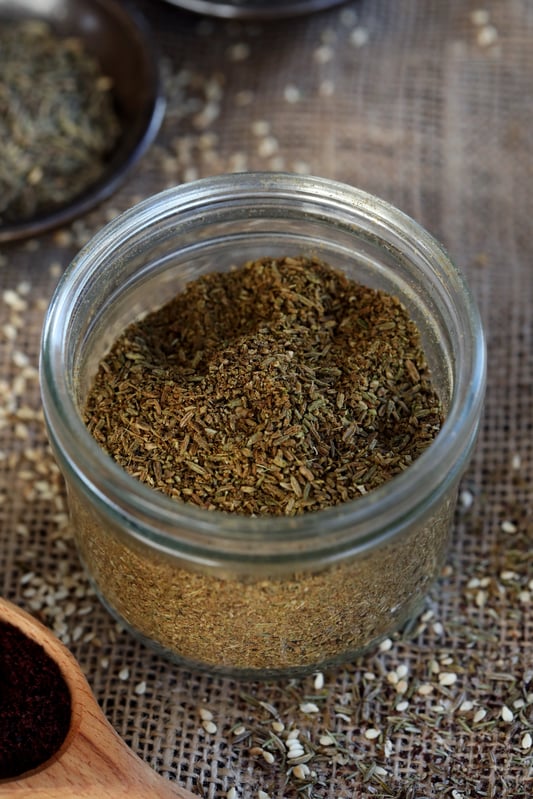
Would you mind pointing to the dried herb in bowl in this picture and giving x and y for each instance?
(277, 388)
(58, 124)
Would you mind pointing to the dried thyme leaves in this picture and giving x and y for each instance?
(57, 121)
(276, 388)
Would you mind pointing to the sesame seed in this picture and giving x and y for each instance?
(323, 54)
(268, 757)
(124, 674)
(205, 714)
(292, 94)
(402, 670)
(425, 689)
(318, 682)
(507, 714)
(309, 707)
(231, 793)
(385, 645)
(447, 678)
(401, 706)
(359, 36)
(466, 499)
(301, 771)
(262, 795)
(278, 726)
(210, 727)
(508, 527)
(480, 16)
(372, 733)
(239, 51)
(140, 688)
(479, 715)
(466, 706)
(526, 741)
(487, 36)
(295, 753)
(326, 740)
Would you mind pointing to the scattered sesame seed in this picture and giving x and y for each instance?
(278, 726)
(403, 705)
(262, 795)
(372, 733)
(507, 714)
(323, 54)
(359, 37)
(516, 461)
(380, 771)
(239, 51)
(447, 678)
(210, 727)
(466, 706)
(318, 682)
(292, 94)
(309, 707)
(295, 752)
(508, 527)
(526, 741)
(480, 16)
(402, 686)
(466, 498)
(385, 645)
(268, 757)
(402, 670)
(487, 36)
(231, 793)
(260, 127)
(124, 674)
(301, 771)
(140, 688)
(425, 689)
(326, 740)
(205, 714)
(479, 715)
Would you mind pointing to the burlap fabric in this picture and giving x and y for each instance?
(427, 104)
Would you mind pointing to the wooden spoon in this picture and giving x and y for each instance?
(93, 761)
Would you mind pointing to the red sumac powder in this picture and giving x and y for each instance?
(35, 707)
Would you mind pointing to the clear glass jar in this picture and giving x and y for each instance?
(265, 596)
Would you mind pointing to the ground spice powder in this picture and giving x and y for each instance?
(277, 388)
(35, 706)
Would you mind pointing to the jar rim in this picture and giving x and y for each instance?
(380, 513)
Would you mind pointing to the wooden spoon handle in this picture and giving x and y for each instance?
(93, 762)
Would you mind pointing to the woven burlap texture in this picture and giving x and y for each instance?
(427, 104)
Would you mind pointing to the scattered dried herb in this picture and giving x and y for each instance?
(277, 388)
(35, 707)
(57, 120)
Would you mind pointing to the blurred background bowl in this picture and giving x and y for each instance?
(118, 37)
(255, 9)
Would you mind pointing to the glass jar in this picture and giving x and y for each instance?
(264, 596)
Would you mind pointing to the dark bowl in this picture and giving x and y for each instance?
(119, 39)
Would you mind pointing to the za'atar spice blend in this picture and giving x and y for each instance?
(277, 388)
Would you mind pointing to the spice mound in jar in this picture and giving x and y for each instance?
(35, 705)
(279, 387)
(58, 124)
